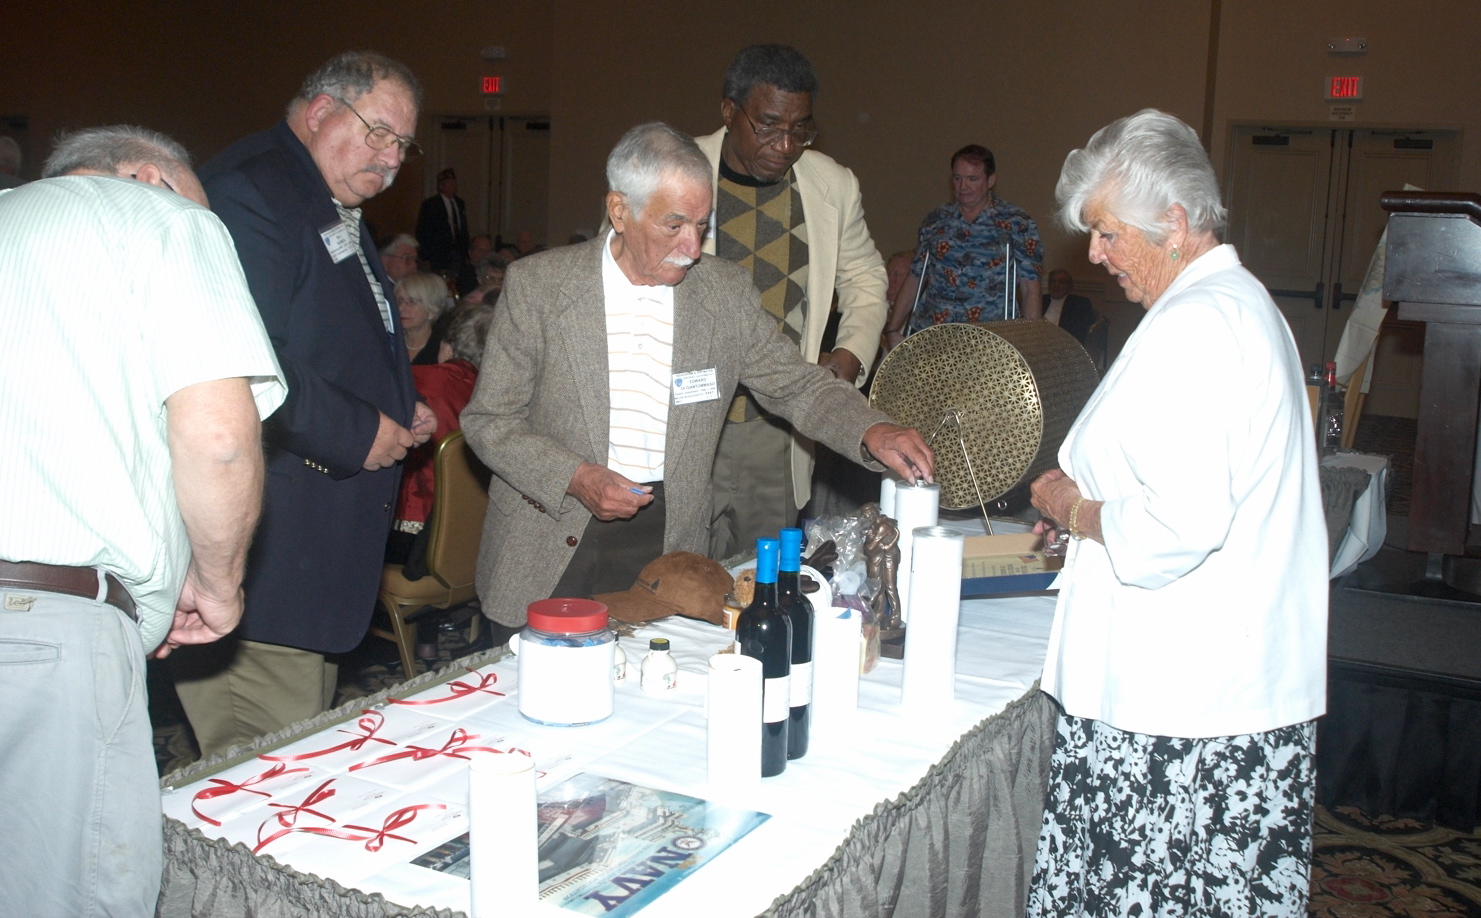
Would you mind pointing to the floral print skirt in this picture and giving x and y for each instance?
(1138, 825)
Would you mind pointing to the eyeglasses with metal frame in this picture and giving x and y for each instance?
(769, 134)
(379, 137)
(163, 180)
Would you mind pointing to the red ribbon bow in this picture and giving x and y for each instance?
(224, 787)
(459, 689)
(368, 725)
(288, 818)
(376, 839)
(456, 745)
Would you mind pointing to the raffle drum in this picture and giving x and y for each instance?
(1011, 389)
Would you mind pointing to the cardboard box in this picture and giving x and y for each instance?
(1005, 555)
(1009, 563)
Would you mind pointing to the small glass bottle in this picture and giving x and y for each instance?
(660, 672)
(619, 663)
(1333, 408)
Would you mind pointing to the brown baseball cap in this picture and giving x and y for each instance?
(678, 583)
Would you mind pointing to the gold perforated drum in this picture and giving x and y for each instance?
(1015, 388)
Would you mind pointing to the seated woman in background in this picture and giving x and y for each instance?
(421, 298)
(490, 273)
(446, 388)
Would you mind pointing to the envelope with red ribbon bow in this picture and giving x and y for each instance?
(417, 764)
(274, 826)
(460, 696)
(208, 803)
(374, 841)
(366, 736)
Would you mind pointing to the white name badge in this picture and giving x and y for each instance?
(695, 386)
(338, 241)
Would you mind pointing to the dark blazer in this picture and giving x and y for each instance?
(437, 244)
(315, 564)
(1076, 317)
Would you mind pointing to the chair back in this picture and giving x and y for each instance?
(460, 499)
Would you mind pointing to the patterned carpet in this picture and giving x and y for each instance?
(1375, 866)
(1366, 867)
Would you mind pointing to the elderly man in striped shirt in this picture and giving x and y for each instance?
(133, 478)
(605, 383)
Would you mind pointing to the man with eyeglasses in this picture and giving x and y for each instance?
(794, 218)
(290, 197)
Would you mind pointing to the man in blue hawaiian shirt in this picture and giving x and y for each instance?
(969, 243)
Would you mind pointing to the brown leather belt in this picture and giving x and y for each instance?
(72, 581)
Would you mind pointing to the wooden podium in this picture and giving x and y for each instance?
(1433, 270)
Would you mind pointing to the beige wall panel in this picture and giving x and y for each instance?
(1421, 68)
(904, 85)
(210, 73)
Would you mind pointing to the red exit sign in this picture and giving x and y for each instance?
(1344, 88)
(492, 85)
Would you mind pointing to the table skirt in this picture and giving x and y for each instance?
(967, 828)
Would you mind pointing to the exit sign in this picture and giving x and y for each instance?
(492, 85)
(1344, 88)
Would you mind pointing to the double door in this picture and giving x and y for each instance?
(1305, 217)
(503, 166)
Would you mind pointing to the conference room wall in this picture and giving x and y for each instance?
(904, 84)
(209, 73)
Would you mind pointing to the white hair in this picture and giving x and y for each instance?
(106, 149)
(427, 289)
(469, 331)
(400, 239)
(1136, 168)
(646, 154)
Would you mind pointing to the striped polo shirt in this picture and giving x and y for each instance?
(640, 355)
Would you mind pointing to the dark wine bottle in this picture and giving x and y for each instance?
(765, 633)
(799, 612)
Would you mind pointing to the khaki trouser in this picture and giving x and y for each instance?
(752, 485)
(234, 690)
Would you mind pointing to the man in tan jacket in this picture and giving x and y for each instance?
(606, 379)
(794, 218)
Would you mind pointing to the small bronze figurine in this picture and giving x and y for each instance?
(882, 562)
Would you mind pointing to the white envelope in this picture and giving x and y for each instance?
(210, 802)
(389, 835)
(415, 765)
(367, 736)
(275, 827)
(455, 699)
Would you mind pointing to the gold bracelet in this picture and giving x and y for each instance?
(1075, 532)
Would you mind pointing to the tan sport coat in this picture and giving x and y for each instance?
(541, 408)
(841, 258)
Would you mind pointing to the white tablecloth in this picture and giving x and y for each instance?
(816, 802)
(1369, 524)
